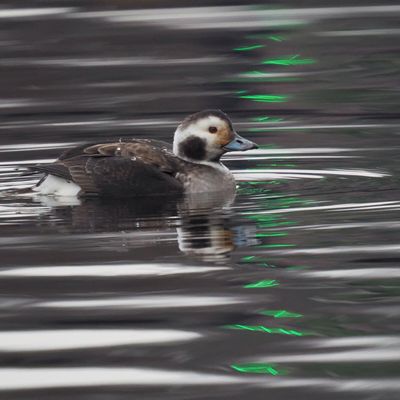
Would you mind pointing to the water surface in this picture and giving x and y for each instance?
(289, 289)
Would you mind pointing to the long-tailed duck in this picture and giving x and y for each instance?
(140, 167)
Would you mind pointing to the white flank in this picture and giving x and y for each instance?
(53, 185)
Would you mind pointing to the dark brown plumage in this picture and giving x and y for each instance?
(126, 168)
(193, 148)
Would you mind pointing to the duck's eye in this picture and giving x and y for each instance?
(212, 129)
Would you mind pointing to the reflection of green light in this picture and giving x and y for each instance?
(271, 234)
(253, 191)
(257, 368)
(248, 48)
(257, 260)
(248, 258)
(255, 73)
(274, 182)
(275, 165)
(262, 328)
(281, 314)
(265, 98)
(276, 38)
(262, 79)
(276, 224)
(262, 217)
(262, 284)
(267, 119)
(276, 245)
(292, 60)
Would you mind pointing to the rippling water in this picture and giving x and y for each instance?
(289, 290)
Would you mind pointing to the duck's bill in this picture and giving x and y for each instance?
(240, 144)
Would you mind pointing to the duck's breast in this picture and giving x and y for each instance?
(204, 178)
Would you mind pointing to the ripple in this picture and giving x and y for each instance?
(232, 17)
(109, 62)
(382, 248)
(381, 353)
(340, 207)
(34, 12)
(68, 339)
(110, 270)
(361, 273)
(350, 225)
(64, 377)
(312, 173)
(36, 146)
(144, 302)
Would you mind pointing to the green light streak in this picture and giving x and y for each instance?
(281, 314)
(257, 368)
(262, 284)
(248, 48)
(252, 191)
(261, 217)
(267, 119)
(265, 98)
(265, 329)
(244, 79)
(276, 245)
(276, 224)
(248, 258)
(257, 260)
(272, 234)
(274, 182)
(255, 73)
(276, 38)
(289, 61)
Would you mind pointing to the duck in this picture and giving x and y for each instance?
(145, 167)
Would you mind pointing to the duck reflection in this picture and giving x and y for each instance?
(205, 235)
(203, 223)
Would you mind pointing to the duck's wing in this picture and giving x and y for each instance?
(56, 169)
(79, 150)
(134, 168)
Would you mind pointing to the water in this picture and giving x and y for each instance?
(290, 289)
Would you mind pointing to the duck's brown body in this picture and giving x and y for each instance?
(137, 167)
(142, 167)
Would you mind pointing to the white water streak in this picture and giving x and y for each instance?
(34, 12)
(361, 273)
(110, 270)
(145, 302)
(68, 339)
(383, 248)
(314, 172)
(64, 377)
(341, 207)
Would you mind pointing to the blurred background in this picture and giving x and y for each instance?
(291, 289)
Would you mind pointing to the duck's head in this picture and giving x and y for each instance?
(205, 136)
